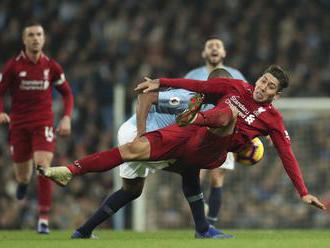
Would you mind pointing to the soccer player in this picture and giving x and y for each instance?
(154, 110)
(242, 112)
(30, 78)
(214, 54)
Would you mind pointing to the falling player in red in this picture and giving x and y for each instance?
(200, 144)
(30, 78)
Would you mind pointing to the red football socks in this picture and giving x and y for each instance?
(44, 190)
(97, 162)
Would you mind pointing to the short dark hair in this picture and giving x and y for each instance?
(219, 72)
(31, 24)
(212, 37)
(280, 74)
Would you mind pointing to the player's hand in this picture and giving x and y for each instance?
(64, 128)
(4, 118)
(312, 200)
(148, 85)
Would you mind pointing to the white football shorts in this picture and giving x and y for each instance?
(130, 170)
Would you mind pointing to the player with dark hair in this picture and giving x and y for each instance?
(154, 110)
(242, 112)
(30, 78)
(214, 54)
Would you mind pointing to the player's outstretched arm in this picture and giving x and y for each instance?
(144, 102)
(148, 85)
(313, 200)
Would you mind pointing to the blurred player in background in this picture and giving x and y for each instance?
(154, 111)
(214, 54)
(30, 78)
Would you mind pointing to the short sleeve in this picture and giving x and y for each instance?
(174, 99)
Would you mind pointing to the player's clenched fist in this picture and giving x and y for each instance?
(4, 118)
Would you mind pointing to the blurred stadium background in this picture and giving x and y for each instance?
(106, 46)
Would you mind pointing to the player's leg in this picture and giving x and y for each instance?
(192, 192)
(21, 152)
(217, 181)
(23, 173)
(132, 174)
(44, 191)
(137, 150)
(43, 142)
(215, 197)
(131, 189)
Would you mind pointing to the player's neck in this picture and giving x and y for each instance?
(34, 57)
(212, 67)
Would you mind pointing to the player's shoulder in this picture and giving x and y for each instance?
(10, 64)
(15, 59)
(196, 72)
(274, 113)
(53, 64)
(235, 72)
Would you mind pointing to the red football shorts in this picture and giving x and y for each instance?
(191, 145)
(26, 140)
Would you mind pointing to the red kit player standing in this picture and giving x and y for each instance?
(199, 144)
(30, 78)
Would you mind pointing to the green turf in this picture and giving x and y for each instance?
(173, 238)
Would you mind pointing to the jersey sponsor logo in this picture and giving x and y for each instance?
(243, 112)
(22, 74)
(34, 85)
(174, 101)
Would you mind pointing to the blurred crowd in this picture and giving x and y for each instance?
(101, 43)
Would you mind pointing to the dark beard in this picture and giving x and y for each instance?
(214, 64)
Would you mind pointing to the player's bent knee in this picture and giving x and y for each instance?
(139, 149)
(23, 178)
(134, 186)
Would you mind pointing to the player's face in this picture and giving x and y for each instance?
(266, 89)
(214, 52)
(34, 39)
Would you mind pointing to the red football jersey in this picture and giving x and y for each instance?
(30, 85)
(254, 119)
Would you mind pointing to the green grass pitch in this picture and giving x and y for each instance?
(168, 238)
